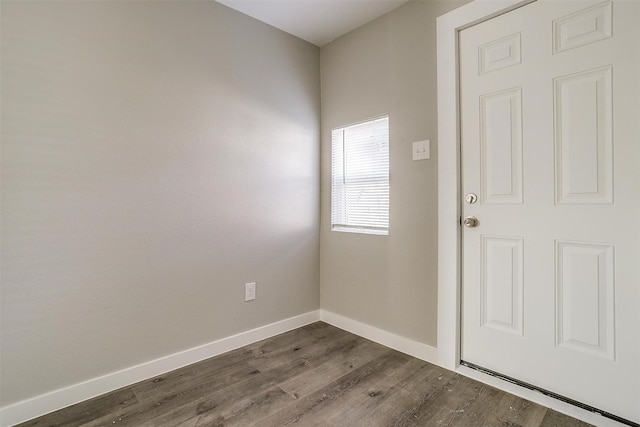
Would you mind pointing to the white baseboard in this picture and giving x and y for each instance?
(58, 399)
(404, 345)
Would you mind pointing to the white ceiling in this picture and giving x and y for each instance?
(316, 21)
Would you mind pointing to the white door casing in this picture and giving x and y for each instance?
(579, 223)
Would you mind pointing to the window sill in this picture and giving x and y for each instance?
(360, 230)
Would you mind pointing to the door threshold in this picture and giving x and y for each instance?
(549, 394)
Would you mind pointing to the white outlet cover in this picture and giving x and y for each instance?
(421, 150)
(250, 291)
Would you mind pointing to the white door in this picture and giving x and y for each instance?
(550, 117)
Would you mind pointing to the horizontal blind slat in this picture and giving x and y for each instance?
(360, 175)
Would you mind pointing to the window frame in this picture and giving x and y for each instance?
(385, 180)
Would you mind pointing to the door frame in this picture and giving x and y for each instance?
(449, 204)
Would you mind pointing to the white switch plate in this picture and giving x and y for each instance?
(250, 291)
(421, 150)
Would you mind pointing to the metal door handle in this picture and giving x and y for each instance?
(471, 198)
(470, 221)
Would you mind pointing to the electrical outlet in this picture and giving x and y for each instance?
(421, 150)
(250, 291)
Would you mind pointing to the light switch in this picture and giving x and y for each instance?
(421, 150)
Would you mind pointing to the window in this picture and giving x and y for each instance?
(360, 177)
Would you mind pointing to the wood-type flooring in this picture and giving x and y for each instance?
(317, 375)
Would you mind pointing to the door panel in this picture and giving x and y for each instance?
(582, 27)
(500, 53)
(585, 297)
(502, 278)
(550, 124)
(584, 148)
(501, 146)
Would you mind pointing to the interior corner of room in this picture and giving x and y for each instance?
(158, 156)
(166, 190)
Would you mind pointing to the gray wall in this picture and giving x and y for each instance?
(155, 157)
(386, 66)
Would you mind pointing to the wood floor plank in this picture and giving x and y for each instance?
(249, 410)
(343, 395)
(173, 408)
(513, 411)
(317, 375)
(424, 394)
(329, 366)
(88, 410)
(487, 407)
(556, 419)
(192, 381)
(441, 402)
(308, 348)
(384, 401)
(294, 340)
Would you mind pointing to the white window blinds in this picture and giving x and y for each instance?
(360, 177)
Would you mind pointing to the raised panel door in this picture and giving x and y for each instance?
(550, 125)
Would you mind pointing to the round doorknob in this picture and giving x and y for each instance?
(470, 221)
